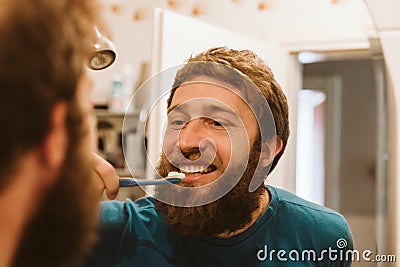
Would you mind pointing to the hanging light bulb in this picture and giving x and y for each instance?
(104, 52)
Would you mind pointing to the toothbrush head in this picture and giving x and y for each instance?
(175, 177)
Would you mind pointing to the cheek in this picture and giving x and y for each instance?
(92, 136)
(86, 102)
(235, 149)
(224, 149)
(170, 141)
(84, 94)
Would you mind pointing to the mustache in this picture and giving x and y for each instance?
(204, 153)
(177, 157)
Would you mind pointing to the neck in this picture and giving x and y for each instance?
(263, 204)
(17, 202)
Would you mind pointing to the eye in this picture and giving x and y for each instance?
(217, 124)
(177, 122)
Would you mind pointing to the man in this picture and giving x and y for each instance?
(227, 129)
(48, 201)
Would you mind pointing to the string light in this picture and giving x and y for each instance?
(137, 15)
(199, 8)
(262, 6)
(116, 9)
(172, 3)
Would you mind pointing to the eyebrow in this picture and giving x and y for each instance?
(209, 108)
(212, 108)
(177, 107)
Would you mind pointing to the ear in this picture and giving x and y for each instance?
(271, 148)
(56, 141)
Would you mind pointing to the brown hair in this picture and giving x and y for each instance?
(44, 46)
(248, 63)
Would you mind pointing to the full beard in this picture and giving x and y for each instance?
(226, 215)
(64, 227)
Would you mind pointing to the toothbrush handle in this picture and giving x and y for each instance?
(129, 182)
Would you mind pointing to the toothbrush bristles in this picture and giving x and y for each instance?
(179, 175)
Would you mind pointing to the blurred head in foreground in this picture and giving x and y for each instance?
(48, 210)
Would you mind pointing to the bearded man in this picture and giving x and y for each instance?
(227, 129)
(48, 199)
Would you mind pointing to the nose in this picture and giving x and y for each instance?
(190, 136)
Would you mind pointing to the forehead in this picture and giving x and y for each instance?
(202, 88)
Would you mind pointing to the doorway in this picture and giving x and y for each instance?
(350, 141)
(311, 143)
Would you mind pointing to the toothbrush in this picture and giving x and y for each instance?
(173, 177)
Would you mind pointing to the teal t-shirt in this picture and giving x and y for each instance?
(291, 232)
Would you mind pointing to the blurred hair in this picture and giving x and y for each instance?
(254, 68)
(61, 236)
(45, 44)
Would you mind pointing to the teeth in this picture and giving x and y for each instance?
(193, 168)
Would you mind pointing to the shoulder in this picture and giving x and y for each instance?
(310, 218)
(297, 204)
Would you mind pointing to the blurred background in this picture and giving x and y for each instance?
(338, 62)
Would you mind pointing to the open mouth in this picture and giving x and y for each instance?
(196, 169)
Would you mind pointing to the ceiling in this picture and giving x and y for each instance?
(385, 14)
